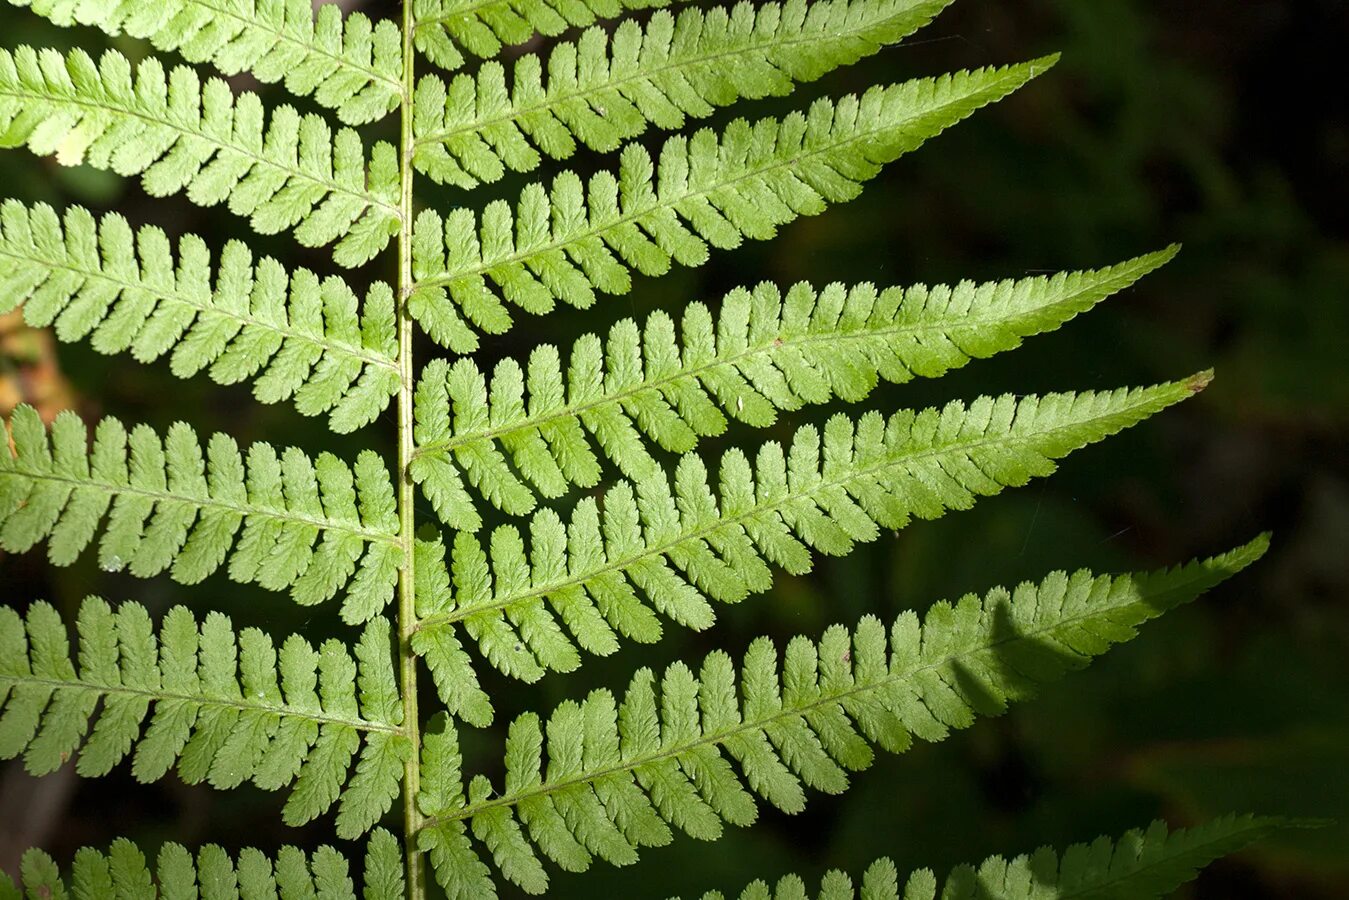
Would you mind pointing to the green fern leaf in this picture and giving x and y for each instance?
(225, 707)
(568, 242)
(761, 354)
(602, 90)
(439, 647)
(673, 548)
(336, 724)
(805, 721)
(379, 772)
(181, 135)
(292, 875)
(313, 526)
(299, 337)
(481, 27)
(385, 878)
(354, 67)
(1142, 865)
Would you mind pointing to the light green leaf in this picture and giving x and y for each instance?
(226, 707)
(541, 428)
(602, 89)
(570, 240)
(353, 66)
(283, 171)
(299, 338)
(293, 522)
(672, 546)
(797, 722)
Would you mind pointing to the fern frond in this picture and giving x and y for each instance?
(354, 67)
(568, 242)
(313, 526)
(224, 707)
(675, 547)
(299, 337)
(526, 431)
(482, 27)
(602, 90)
(180, 135)
(618, 775)
(213, 874)
(1141, 865)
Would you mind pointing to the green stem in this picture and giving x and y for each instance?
(407, 611)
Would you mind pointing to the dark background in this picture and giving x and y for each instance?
(1218, 124)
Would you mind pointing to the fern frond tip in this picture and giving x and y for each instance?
(1199, 381)
(1043, 64)
(1243, 557)
(1147, 263)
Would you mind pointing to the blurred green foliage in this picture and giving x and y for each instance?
(1185, 121)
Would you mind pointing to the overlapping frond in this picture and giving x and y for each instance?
(482, 27)
(529, 430)
(126, 290)
(213, 874)
(224, 708)
(603, 89)
(618, 775)
(672, 546)
(572, 240)
(282, 170)
(283, 520)
(1142, 865)
(353, 66)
